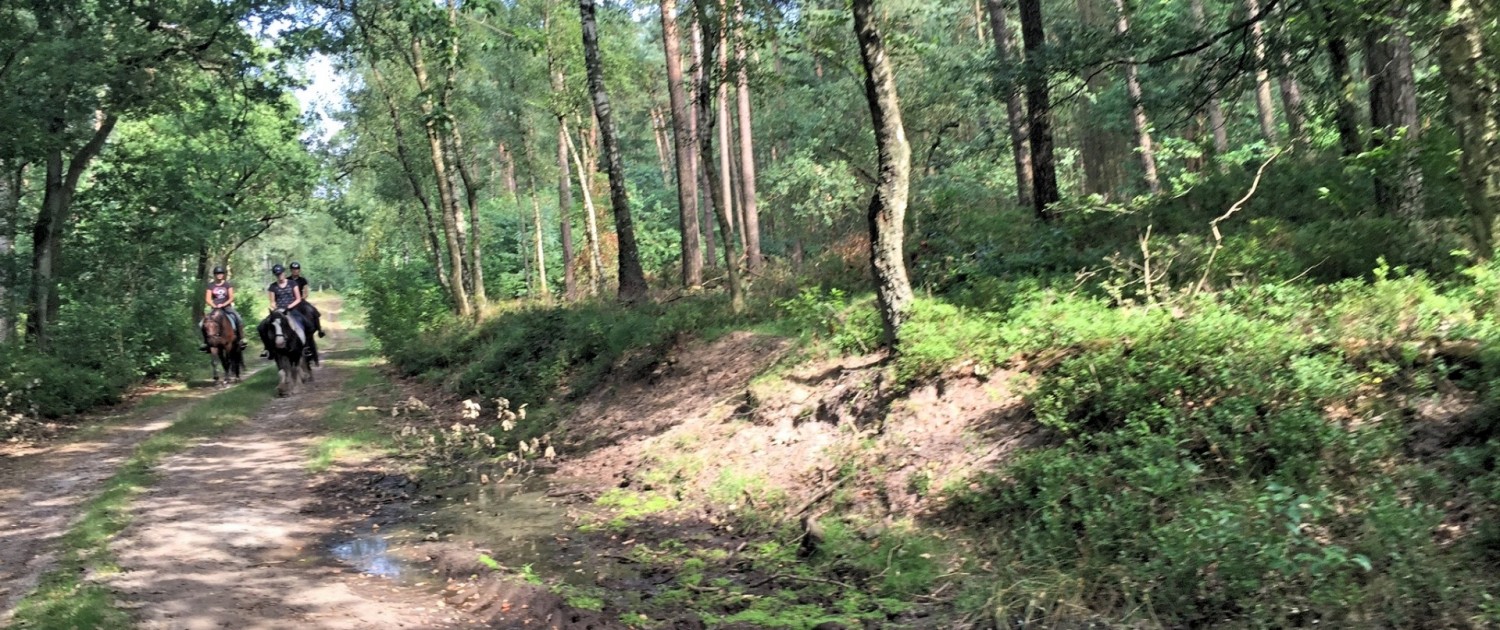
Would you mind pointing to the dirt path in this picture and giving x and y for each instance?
(227, 538)
(43, 487)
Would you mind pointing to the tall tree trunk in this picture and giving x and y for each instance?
(1038, 109)
(1292, 104)
(538, 251)
(1393, 113)
(200, 277)
(12, 177)
(508, 170)
(1102, 151)
(591, 223)
(705, 202)
(682, 138)
(1015, 111)
(707, 160)
(750, 209)
(408, 167)
(565, 212)
(663, 150)
(887, 213)
(1263, 103)
(1471, 94)
(726, 144)
(46, 235)
(452, 225)
(1138, 108)
(1346, 117)
(632, 277)
(1216, 125)
(707, 205)
(471, 197)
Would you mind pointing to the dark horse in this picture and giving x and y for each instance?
(223, 344)
(294, 360)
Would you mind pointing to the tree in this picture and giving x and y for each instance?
(1138, 118)
(682, 138)
(1015, 111)
(707, 158)
(750, 211)
(632, 278)
(1393, 111)
(887, 213)
(1038, 110)
(1472, 86)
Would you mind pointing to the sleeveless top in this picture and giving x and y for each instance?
(220, 292)
(284, 295)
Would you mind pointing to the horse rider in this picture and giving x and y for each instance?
(220, 295)
(308, 311)
(285, 297)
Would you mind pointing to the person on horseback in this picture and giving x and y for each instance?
(285, 296)
(220, 295)
(308, 311)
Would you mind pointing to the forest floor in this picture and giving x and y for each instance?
(228, 531)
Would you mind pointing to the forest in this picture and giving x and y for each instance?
(844, 313)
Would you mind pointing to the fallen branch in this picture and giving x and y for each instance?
(1233, 208)
(818, 496)
(798, 578)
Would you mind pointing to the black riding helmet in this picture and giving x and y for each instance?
(277, 270)
(219, 270)
(296, 265)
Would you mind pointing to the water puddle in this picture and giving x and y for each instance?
(369, 553)
(514, 522)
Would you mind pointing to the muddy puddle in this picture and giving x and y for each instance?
(514, 523)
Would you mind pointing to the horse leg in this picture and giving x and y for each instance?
(213, 362)
(281, 382)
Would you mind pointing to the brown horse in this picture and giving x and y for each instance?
(223, 345)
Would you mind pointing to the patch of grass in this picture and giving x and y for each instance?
(629, 505)
(347, 431)
(67, 597)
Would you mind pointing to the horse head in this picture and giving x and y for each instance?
(214, 325)
(280, 329)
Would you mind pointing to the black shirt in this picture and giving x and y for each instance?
(284, 294)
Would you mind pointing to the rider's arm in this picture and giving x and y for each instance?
(208, 297)
(296, 297)
(271, 296)
(230, 300)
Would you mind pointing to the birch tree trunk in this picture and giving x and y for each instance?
(1138, 118)
(408, 168)
(887, 214)
(565, 211)
(452, 226)
(1263, 103)
(632, 277)
(596, 262)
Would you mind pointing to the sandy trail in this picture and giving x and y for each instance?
(226, 537)
(43, 487)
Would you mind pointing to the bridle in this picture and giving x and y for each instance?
(280, 336)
